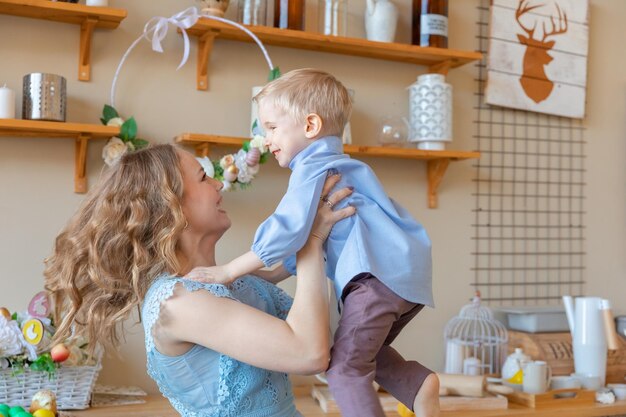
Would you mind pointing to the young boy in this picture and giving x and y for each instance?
(379, 259)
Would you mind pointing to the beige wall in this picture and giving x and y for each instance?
(36, 174)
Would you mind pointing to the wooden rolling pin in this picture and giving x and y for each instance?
(469, 386)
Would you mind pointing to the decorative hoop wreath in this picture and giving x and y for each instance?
(238, 168)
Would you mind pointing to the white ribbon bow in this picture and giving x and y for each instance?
(156, 30)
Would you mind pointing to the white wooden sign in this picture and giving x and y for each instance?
(538, 56)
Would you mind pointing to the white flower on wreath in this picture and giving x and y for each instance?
(114, 150)
(258, 141)
(226, 186)
(11, 339)
(226, 161)
(245, 175)
(116, 122)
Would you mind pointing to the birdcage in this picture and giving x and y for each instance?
(476, 343)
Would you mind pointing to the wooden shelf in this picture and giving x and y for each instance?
(81, 133)
(437, 60)
(437, 161)
(87, 17)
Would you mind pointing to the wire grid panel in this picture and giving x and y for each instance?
(529, 240)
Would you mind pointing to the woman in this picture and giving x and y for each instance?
(213, 350)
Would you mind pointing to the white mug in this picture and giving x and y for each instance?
(537, 377)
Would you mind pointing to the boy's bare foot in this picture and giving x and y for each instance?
(426, 402)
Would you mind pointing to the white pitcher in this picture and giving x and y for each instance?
(592, 334)
(381, 19)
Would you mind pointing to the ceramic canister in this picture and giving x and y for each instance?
(430, 112)
(44, 97)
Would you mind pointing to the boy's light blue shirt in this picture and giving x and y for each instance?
(381, 238)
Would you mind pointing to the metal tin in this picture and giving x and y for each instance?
(44, 97)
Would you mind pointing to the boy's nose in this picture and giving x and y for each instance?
(267, 141)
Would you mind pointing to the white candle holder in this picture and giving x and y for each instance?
(7, 103)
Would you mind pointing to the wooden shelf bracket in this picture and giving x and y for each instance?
(84, 59)
(80, 169)
(202, 150)
(440, 68)
(205, 46)
(436, 170)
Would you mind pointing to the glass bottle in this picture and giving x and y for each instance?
(289, 14)
(430, 23)
(332, 17)
(252, 12)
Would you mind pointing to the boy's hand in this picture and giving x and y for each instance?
(211, 275)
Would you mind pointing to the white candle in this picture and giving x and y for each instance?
(99, 3)
(7, 103)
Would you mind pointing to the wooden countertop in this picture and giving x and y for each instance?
(157, 406)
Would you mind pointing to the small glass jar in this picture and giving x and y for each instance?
(252, 12)
(332, 17)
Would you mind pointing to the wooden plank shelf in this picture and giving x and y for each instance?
(437, 161)
(81, 133)
(438, 60)
(87, 17)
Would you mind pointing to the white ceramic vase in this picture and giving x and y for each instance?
(381, 19)
(430, 112)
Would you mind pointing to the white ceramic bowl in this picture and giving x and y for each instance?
(619, 390)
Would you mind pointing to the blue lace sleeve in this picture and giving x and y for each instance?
(280, 299)
(162, 289)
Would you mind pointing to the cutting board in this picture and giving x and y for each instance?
(489, 402)
(327, 403)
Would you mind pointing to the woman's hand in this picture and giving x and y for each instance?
(326, 217)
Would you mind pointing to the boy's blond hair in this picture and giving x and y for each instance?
(304, 91)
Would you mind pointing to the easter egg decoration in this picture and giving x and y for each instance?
(5, 312)
(230, 173)
(33, 331)
(14, 411)
(253, 156)
(44, 400)
(39, 306)
(42, 412)
(4, 410)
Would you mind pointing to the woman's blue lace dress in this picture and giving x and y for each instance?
(205, 383)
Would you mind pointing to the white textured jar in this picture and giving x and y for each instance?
(430, 112)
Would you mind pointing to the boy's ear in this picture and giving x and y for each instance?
(313, 126)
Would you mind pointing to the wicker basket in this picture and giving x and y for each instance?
(71, 384)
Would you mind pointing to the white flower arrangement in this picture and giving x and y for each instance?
(239, 168)
(18, 351)
(127, 141)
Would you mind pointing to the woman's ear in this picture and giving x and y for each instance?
(313, 126)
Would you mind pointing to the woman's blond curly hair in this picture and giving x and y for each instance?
(123, 236)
